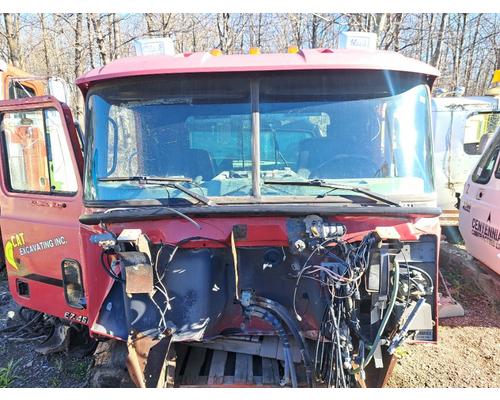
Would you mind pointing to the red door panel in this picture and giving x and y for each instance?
(40, 202)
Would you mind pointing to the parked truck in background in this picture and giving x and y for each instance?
(462, 127)
(480, 206)
(238, 220)
(17, 84)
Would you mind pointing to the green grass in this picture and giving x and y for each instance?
(463, 286)
(8, 374)
(79, 370)
(59, 364)
(401, 352)
(55, 382)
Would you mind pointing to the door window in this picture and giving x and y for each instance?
(497, 172)
(37, 152)
(485, 168)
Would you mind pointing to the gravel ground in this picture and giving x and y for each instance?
(467, 353)
(468, 349)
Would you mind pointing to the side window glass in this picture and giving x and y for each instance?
(62, 175)
(479, 128)
(19, 91)
(484, 170)
(497, 172)
(122, 143)
(26, 151)
(38, 158)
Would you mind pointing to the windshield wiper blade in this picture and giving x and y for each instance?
(171, 181)
(145, 179)
(335, 186)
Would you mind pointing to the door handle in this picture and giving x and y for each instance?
(51, 204)
(480, 194)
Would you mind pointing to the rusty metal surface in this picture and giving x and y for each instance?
(138, 272)
(392, 363)
(135, 365)
(147, 361)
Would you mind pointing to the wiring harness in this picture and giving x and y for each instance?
(33, 326)
(339, 278)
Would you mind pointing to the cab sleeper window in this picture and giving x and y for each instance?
(37, 153)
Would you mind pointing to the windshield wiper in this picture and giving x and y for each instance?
(170, 181)
(335, 186)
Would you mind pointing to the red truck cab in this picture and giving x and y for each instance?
(248, 220)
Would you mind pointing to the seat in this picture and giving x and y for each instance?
(312, 152)
(189, 163)
(325, 158)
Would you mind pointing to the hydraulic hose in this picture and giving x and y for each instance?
(265, 315)
(291, 366)
(387, 315)
(283, 314)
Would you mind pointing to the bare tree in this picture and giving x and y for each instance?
(436, 56)
(465, 47)
(45, 40)
(90, 34)
(78, 62)
(223, 28)
(99, 35)
(11, 22)
(230, 33)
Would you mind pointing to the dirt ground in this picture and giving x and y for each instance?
(467, 355)
(468, 349)
(21, 366)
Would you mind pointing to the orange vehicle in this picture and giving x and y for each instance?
(17, 84)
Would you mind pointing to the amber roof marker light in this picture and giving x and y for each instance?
(216, 52)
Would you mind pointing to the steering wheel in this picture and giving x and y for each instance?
(355, 160)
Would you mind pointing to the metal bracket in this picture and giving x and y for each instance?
(138, 272)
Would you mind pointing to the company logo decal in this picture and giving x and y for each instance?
(18, 241)
(15, 240)
(486, 232)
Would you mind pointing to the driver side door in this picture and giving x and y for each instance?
(40, 202)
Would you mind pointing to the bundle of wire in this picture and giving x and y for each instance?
(33, 326)
(159, 284)
(339, 279)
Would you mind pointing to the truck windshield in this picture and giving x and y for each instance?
(364, 128)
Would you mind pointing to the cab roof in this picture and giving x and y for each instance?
(305, 59)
